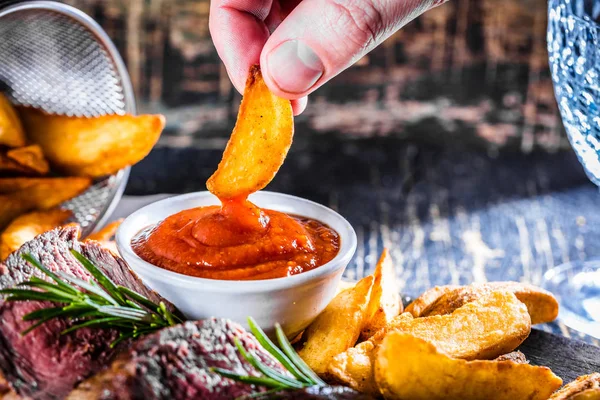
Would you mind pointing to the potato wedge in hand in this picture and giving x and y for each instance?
(28, 226)
(492, 326)
(385, 302)
(11, 129)
(259, 142)
(424, 372)
(541, 304)
(337, 328)
(585, 387)
(92, 147)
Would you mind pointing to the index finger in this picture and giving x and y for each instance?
(239, 32)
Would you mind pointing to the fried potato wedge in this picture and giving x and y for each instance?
(487, 328)
(43, 193)
(106, 233)
(337, 328)
(10, 208)
(541, 304)
(424, 372)
(385, 302)
(584, 387)
(421, 304)
(11, 129)
(30, 157)
(10, 166)
(27, 226)
(355, 366)
(92, 147)
(105, 236)
(259, 142)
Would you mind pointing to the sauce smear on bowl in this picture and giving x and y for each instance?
(237, 241)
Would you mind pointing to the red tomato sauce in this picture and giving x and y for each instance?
(237, 241)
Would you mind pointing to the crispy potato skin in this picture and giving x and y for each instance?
(259, 142)
(28, 226)
(30, 157)
(584, 387)
(590, 394)
(11, 129)
(384, 303)
(426, 373)
(495, 324)
(492, 326)
(92, 147)
(421, 304)
(10, 166)
(541, 304)
(337, 328)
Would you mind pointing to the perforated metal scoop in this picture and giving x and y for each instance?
(56, 58)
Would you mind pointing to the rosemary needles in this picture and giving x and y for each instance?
(98, 303)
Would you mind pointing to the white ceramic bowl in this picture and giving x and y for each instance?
(292, 301)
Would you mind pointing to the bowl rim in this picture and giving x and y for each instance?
(348, 246)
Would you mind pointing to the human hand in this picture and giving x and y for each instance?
(301, 44)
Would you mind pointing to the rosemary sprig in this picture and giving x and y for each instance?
(300, 375)
(99, 303)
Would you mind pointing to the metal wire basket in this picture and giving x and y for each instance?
(58, 59)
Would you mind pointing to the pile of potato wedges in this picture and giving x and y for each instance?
(453, 342)
(46, 160)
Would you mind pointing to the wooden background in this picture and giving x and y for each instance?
(469, 71)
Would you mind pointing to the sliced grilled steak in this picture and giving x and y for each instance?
(45, 364)
(175, 364)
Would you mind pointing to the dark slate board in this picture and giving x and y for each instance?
(568, 358)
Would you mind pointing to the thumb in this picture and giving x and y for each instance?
(321, 38)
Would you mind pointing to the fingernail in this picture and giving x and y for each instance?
(294, 66)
